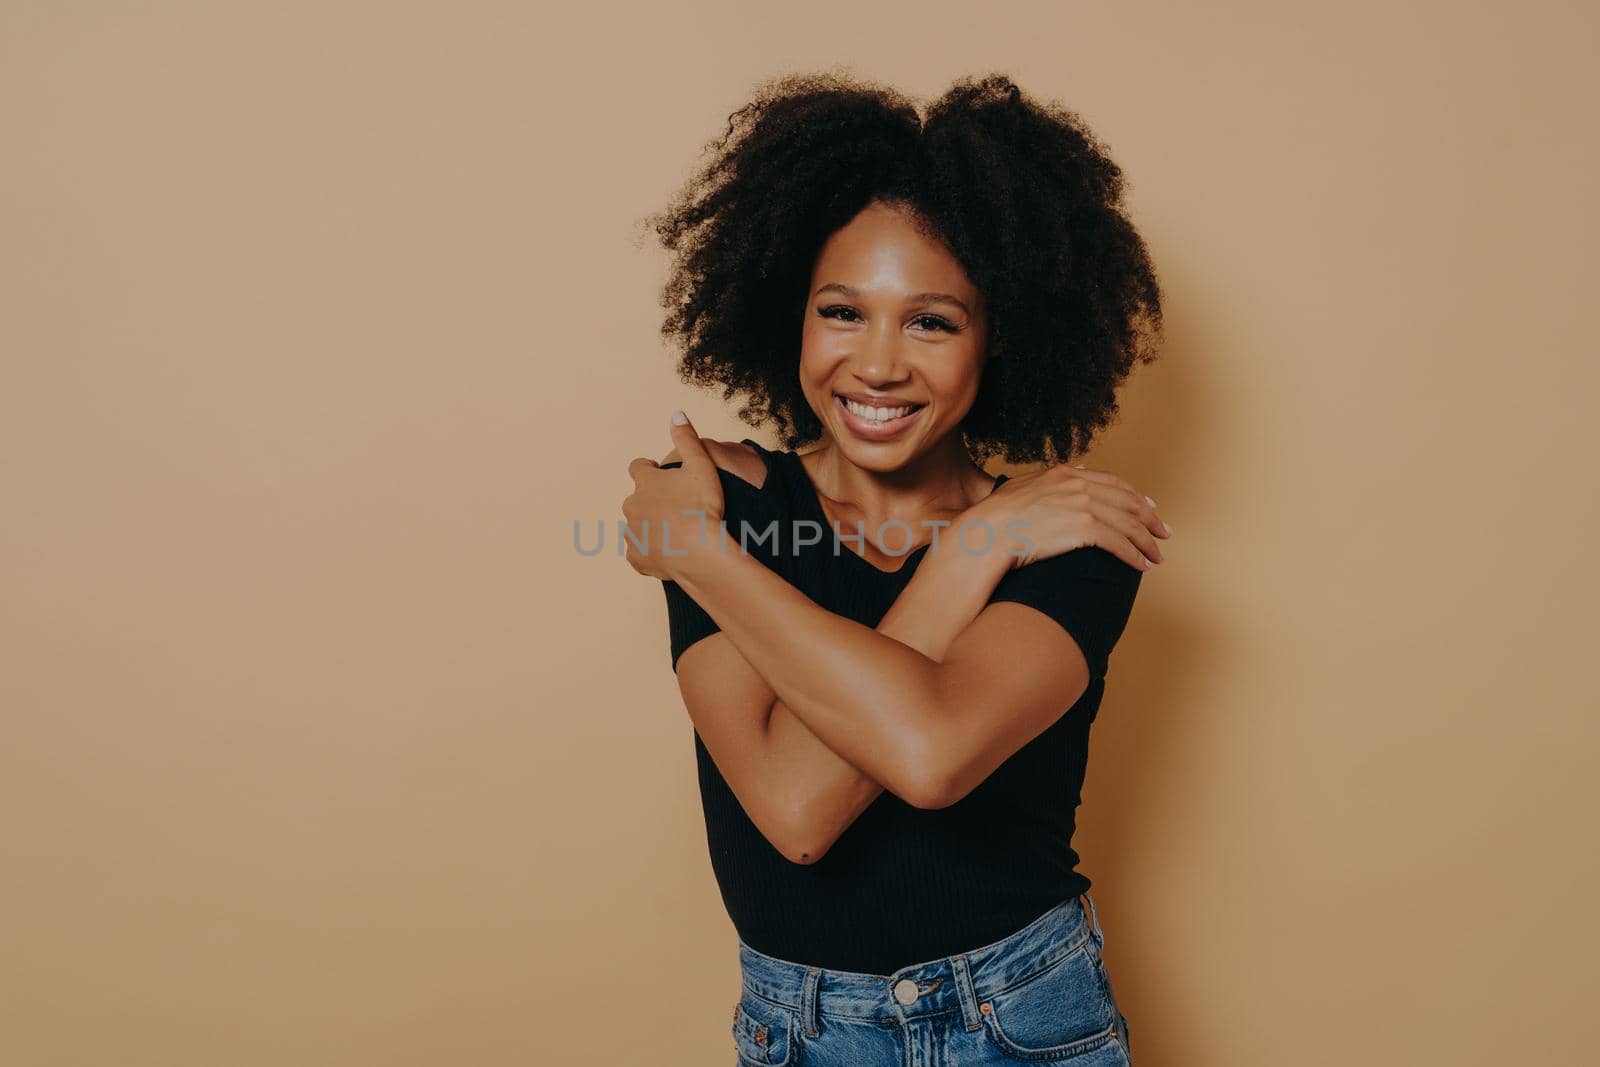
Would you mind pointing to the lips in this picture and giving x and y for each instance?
(877, 420)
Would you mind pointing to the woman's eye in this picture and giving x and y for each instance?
(845, 313)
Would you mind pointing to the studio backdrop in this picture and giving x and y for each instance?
(321, 325)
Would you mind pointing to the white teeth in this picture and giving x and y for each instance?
(872, 414)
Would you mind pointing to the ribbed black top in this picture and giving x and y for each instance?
(903, 885)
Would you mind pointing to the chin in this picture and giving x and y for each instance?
(881, 457)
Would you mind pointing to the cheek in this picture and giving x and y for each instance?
(819, 356)
(956, 381)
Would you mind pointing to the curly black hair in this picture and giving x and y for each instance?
(1021, 193)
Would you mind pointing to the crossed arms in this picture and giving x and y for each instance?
(810, 715)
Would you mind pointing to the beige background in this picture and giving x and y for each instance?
(320, 323)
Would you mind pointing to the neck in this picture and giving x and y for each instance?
(941, 479)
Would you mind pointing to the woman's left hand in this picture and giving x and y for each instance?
(655, 510)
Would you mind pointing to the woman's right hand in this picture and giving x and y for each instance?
(1048, 512)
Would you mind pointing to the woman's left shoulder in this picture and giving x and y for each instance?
(1088, 562)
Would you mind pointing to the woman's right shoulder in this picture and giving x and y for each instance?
(742, 459)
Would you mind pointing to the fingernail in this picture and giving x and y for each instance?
(679, 418)
(1168, 528)
(1152, 503)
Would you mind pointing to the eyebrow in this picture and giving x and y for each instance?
(914, 298)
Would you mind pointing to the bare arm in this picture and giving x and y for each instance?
(927, 730)
(922, 712)
(799, 791)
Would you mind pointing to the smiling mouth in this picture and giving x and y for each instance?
(876, 420)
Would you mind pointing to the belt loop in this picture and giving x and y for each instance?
(965, 993)
(1094, 919)
(810, 1011)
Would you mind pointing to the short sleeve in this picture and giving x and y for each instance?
(1088, 591)
(687, 621)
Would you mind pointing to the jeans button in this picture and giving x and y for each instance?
(905, 991)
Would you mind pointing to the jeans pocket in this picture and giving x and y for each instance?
(1059, 1013)
(763, 1032)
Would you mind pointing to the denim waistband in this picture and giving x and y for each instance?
(959, 982)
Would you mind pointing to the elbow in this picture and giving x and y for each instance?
(932, 794)
(926, 778)
(806, 845)
(927, 771)
(803, 852)
(929, 788)
(939, 779)
(800, 839)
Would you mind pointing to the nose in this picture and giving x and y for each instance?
(878, 361)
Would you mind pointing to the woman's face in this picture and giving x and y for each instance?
(894, 340)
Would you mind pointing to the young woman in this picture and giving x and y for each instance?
(890, 657)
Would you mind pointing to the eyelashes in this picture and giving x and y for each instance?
(840, 311)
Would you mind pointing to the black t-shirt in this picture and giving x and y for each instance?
(902, 884)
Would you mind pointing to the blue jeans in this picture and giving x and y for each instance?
(1038, 995)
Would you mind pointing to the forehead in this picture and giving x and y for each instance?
(883, 249)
